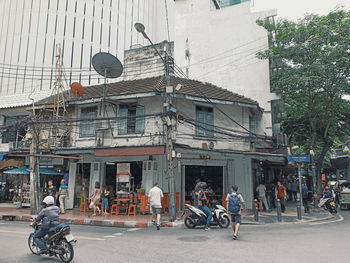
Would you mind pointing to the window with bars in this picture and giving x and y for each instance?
(131, 119)
(205, 121)
(87, 127)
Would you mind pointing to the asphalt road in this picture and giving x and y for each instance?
(298, 243)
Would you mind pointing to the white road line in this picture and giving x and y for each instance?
(109, 236)
(341, 218)
(132, 229)
(118, 234)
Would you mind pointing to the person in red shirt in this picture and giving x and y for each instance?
(281, 195)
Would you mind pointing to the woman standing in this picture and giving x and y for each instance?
(104, 197)
(95, 198)
(62, 195)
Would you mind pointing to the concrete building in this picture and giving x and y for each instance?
(30, 31)
(127, 128)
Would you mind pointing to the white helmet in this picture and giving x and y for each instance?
(49, 200)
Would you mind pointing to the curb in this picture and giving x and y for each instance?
(96, 222)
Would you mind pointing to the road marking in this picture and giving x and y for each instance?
(27, 233)
(118, 234)
(109, 236)
(341, 218)
(133, 229)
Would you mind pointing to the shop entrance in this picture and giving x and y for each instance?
(135, 170)
(82, 182)
(212, 175)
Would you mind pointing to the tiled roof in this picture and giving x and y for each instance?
(22, 99)
(189, 87)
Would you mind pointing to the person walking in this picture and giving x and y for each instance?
(104, 197)
(289, 191)
(281, 195)
(62, 196)
(95, 198)
(234, 201)
(270, 192)
(305, 195)
(295, 188)
(261, 189)
(155, 196)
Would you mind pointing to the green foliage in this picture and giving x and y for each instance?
(311, 75)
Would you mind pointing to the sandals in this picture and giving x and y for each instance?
(234, 237)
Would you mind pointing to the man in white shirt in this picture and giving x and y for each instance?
(155, 196)
(261, 189)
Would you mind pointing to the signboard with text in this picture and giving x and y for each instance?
(299, 158)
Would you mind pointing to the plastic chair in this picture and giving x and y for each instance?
(114, 209)
(132, 210)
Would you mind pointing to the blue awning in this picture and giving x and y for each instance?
(25, 170)
(2, 155)
(22, 170)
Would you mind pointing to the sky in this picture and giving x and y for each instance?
(296, 9)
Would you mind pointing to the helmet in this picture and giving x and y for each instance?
(48, 200)
(203, 185)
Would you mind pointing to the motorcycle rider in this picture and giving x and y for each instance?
(328, 193)
(49, 217)
(201, 201)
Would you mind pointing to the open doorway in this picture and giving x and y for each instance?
(212, 175)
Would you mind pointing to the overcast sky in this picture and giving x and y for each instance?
(295, 9)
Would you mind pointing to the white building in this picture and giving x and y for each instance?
(30, 30)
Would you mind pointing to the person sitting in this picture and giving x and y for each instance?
(202, 203)
(49, 217)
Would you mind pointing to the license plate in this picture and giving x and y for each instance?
(69, 237)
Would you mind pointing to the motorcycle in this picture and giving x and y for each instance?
(199, 218)
(59, 241)
(328, 204)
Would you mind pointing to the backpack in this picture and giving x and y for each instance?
(234, 204)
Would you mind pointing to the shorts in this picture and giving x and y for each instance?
(104, 203)
(236, 218)
(156, 210)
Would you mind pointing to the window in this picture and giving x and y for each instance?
(252, 124)
(225, 3)
(205, 121)
(87, 128)
(14, 131)
(131, 119)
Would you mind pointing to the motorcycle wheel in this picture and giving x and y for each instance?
(188, 222)
(67, 251)
(333, 210)
(32, 246)
(224, 221)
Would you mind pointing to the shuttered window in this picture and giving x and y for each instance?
(131, 119)
(87, 128)
(205, 121)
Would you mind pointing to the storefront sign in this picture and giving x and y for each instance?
(123, 169)
(299, 158)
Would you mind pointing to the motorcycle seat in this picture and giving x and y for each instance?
(58, 227)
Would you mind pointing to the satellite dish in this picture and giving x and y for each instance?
(107, 65)
(77, 89)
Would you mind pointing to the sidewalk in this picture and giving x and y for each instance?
(142, 221)
(290, 215)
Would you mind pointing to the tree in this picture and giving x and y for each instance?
(311, 75)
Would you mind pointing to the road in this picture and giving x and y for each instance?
(298, 243)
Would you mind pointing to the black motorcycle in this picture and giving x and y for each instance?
(328, 204)
(59, 241)
(199, 218)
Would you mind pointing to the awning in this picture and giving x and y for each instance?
(2, 155)
(130, 151)
(25, 170)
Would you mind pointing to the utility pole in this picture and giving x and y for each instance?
(34, 171)
(169, 127)
(169, 90)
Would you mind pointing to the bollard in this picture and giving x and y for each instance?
(256, 212)
(298, 209)
(279, 211)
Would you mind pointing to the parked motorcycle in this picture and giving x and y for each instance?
(199, 218)
(59, 241)
(328, 204)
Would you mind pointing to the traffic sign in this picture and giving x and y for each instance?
(299, 158)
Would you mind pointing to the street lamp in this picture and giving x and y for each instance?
(169, 127)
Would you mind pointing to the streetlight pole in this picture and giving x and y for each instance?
(169, 89)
